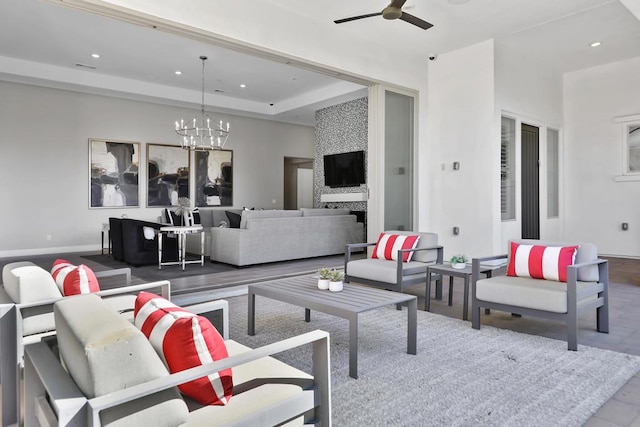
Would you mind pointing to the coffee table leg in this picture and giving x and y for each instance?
(450, 291)
(412, 326)
(251, 315)
(307, 315)
(353, 346)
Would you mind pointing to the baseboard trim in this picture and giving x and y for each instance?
(46, 251)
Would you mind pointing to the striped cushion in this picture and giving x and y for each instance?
(541, 262)
(185, 340)
(72, 279)
(388, 245)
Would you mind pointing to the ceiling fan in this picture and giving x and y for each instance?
(392, 11)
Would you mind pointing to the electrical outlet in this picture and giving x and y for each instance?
(442, 166)
(49, 237)
(625, 226)
(273, 201)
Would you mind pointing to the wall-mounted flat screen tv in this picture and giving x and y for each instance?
(344, 169)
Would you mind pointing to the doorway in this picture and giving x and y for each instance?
(298, 183)
(530, 177)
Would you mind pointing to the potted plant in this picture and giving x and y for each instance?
(324, 274)
(458, 261)
(335, 281)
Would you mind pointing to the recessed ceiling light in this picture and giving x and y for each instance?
(595, 44)
(243, 85)
(95, 55)
(178, 72)
(458, 1)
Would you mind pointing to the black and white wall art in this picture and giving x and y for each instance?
(167, 174)
(214, 178)
(113, 173)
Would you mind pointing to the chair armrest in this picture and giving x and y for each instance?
(321, 373)
(45, 375)
(401, 252)
(359, 245)
(126, 271)
(476, 270)
(207, 307)
(350, 248)
(165, 286)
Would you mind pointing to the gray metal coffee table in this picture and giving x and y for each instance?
(348, 304)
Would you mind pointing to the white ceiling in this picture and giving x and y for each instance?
(41, 43)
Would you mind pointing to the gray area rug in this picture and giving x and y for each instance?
(460, 376)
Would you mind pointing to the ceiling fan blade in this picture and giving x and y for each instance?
(397, 3)
(415, 21)
(353, 18)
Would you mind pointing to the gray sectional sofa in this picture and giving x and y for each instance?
(280, 235)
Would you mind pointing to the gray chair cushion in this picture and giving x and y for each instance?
(104, 352)
(383, 270)
(25, 282)
(547, 295)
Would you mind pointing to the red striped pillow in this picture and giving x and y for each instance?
(388, 245)
(74, 280)
(185, 340)
(541, 262)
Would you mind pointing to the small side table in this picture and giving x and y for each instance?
(181, 232)
(465, 273)
(105, 227)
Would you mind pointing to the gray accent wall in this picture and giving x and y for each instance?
(339, 129)
(44, 159)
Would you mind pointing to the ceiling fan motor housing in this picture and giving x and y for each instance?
(391, 13)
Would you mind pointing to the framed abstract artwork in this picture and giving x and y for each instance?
(113, 173)
(167, 174)
(214, 178)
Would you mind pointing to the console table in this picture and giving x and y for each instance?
(181, 233)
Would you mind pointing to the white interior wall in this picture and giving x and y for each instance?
(529, 92)
(45, 159)
(460, 122)
(595, 204)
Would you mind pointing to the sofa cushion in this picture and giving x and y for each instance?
(324, 211)
(103, 353)
(547, 295)
(72, 279)
(388, 246)
(234, 219)
(185, 340)
(25, 282)
(540, 262)
(248, 215)
(171, 217)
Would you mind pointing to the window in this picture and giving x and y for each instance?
(632, 136)
(508, 169)
(553, 197)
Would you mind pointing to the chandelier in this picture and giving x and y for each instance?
(203, 133)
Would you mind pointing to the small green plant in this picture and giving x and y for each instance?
(324, 274)
(335, 275)
(458, 259)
